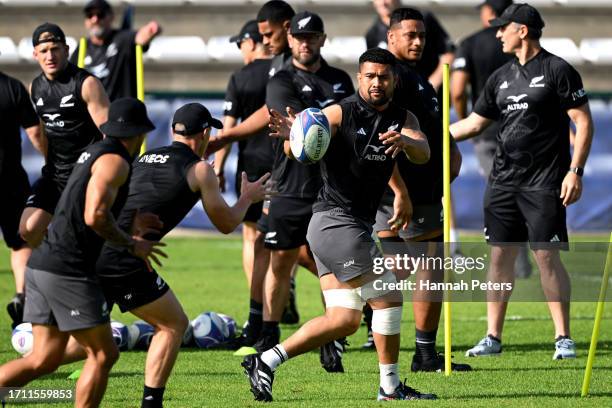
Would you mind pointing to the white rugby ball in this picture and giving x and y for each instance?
(120, 335)
(22, 338)
(309, 136)
(143, 333)
(208, 330)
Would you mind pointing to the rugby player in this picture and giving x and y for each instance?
(534, 178)
(355, 170)
(308, 82)
(72, 104)
(407, 40)
(64, 297)
(244, 96)
(478, 56)
(111, 53)
(16, 112)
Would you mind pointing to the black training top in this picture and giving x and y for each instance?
(355, 168)
(114, 63)
(246, 93)
(437, 42)
(15, 111)
(480, 55)
(280, 62)
(70, 247)
(299, 90)
(530, 101)
(159, 186)
(68, 125)
(414, 93)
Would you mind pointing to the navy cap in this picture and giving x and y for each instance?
(306, 22)
(195, 118)
(519, 13)
(127, 117)
(55, 34)
(249, 30)
(101, 5)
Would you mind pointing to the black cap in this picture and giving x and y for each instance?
(306, 22)
(57, 35)
(249, 30)
(127, 117)
(101, 5)
(195, 117)
(497, 5)
(519, 13)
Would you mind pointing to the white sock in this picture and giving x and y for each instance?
(275, 356)
(454, 240)
(389, 377)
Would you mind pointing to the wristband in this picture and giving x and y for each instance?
(576, 170)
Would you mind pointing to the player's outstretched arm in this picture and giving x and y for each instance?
(469, 127)
(201, 177)
(402, 204)
(108, 174)
(147, 33)
(95, 97)
(222, 154)
(411, 140)
(571, 188)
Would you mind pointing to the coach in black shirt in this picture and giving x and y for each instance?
(439, 48)
(111, 53)
(534, 179)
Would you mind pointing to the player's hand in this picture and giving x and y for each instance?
(396, 140)
(255, 191)
(221, 179)
(280, 125)
(146, 223)
(402, 212)
(148, 251)
(571, 188)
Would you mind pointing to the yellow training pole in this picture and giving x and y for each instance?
(140, 84)
(82, 52)
(598, 315)
(447, 207)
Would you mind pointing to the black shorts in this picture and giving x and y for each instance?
(262, 222)
(68, 302)
(518, 216)
(15, 194)
(45, 194)
(133, 290)
(288, 222)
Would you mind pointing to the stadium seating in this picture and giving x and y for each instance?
(564, 48)
(178, 49)
(8, 51)
(220, 49)
(597, 50)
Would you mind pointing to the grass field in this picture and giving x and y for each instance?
(206, 274)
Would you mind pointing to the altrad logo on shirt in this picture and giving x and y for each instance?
(517, 105)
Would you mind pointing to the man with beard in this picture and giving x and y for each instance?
(367, 132)
(308, 82)
(111, 53)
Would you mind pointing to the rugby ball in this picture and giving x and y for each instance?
(230, 325)
(309, 136)
(120, 335)
(140, 335)
(22, 338)
(208, 330)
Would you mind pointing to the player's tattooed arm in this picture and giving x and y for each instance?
(108, 174)
(411, 141)
(97, 101)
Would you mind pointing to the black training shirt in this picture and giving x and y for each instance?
(531, 101)
(70, 247)
(299, 90)
(68, 126)
(355, 168)
(159, 186)
(246, 93)
(113, 63)
(437, 42)
(15, 111)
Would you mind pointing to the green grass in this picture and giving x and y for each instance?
(206, 274)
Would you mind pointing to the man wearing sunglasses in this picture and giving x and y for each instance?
(111, 53)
